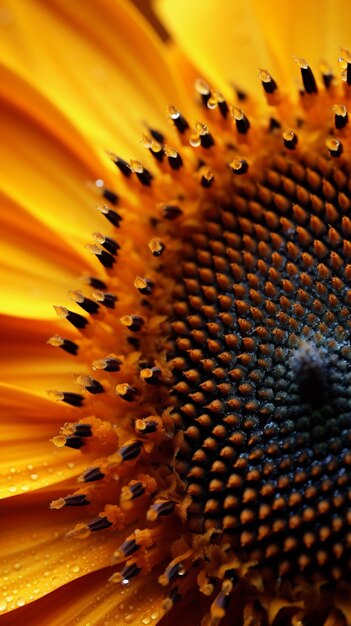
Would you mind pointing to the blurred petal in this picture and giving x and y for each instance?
(224, 40)
(186, 69)
(41, 175)
(27, 361)
(109, 73)
(28, 460)
(313, 30)
(37, 275)
(23, 95)
(229, 41)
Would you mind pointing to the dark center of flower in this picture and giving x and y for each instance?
(219, 412)
(262, 368)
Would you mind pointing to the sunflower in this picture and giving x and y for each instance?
(194, 375)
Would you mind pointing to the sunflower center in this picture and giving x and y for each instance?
(224, 428)
(262, 367)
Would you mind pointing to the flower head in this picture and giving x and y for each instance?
(201, 462)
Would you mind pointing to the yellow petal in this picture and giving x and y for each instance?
(102, 66)
(42, 175)
(37, 275)
(23, 96)
(229, 41)
(28, 460)
(78, 604)
(34, 547)
(26, 360)
(312, 30)
(188, 72)
(224, 40)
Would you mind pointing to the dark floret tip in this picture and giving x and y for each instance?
(268, 83)
(122, 165)
(290, 139)
(179, 121)
(99, 523)
(171, 211)
(91, 475)
(239, 166)
(110, 196)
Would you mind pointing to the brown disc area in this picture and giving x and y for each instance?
(262, 368)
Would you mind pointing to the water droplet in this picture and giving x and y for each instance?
(13, 470)
(9, 598)
(36, 591)
(21, 602)
(34, 476)
(146, 620)
(17, 566)
(75, 569)
(128, 618)
(71, 465)
(154, 615)
(13, 489)
(24, 487)
(3, 605)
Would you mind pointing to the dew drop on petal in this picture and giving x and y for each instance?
(3, 605)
